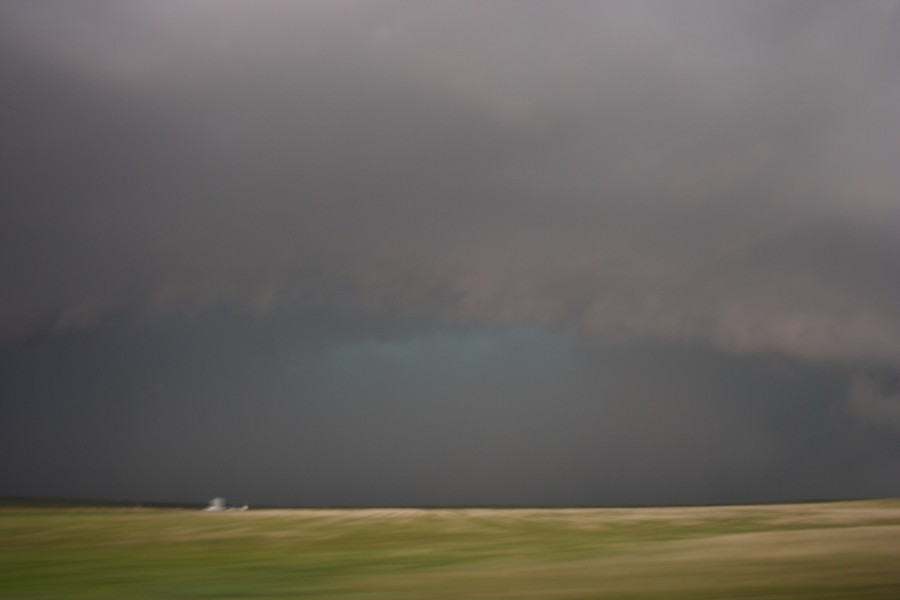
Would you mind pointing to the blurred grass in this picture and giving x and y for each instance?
(832, 550)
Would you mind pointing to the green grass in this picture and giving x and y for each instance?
(834, 550)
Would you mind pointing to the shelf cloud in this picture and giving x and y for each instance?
(712, 171)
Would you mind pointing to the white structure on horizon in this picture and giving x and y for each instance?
(216, 504)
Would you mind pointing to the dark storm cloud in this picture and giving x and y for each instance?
(722, 171)
(245, 407)
(450, 252)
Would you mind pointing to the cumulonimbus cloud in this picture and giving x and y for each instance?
(720, 172)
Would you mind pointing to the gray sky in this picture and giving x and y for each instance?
(450, 252)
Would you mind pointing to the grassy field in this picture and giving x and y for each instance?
(834, 550)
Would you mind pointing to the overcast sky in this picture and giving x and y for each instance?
(450, 252)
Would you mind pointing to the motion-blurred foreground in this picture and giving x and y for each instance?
(836, 550)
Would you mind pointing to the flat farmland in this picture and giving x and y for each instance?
(829, 550)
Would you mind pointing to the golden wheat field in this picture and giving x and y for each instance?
(830, 550)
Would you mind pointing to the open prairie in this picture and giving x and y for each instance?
(832, 550)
